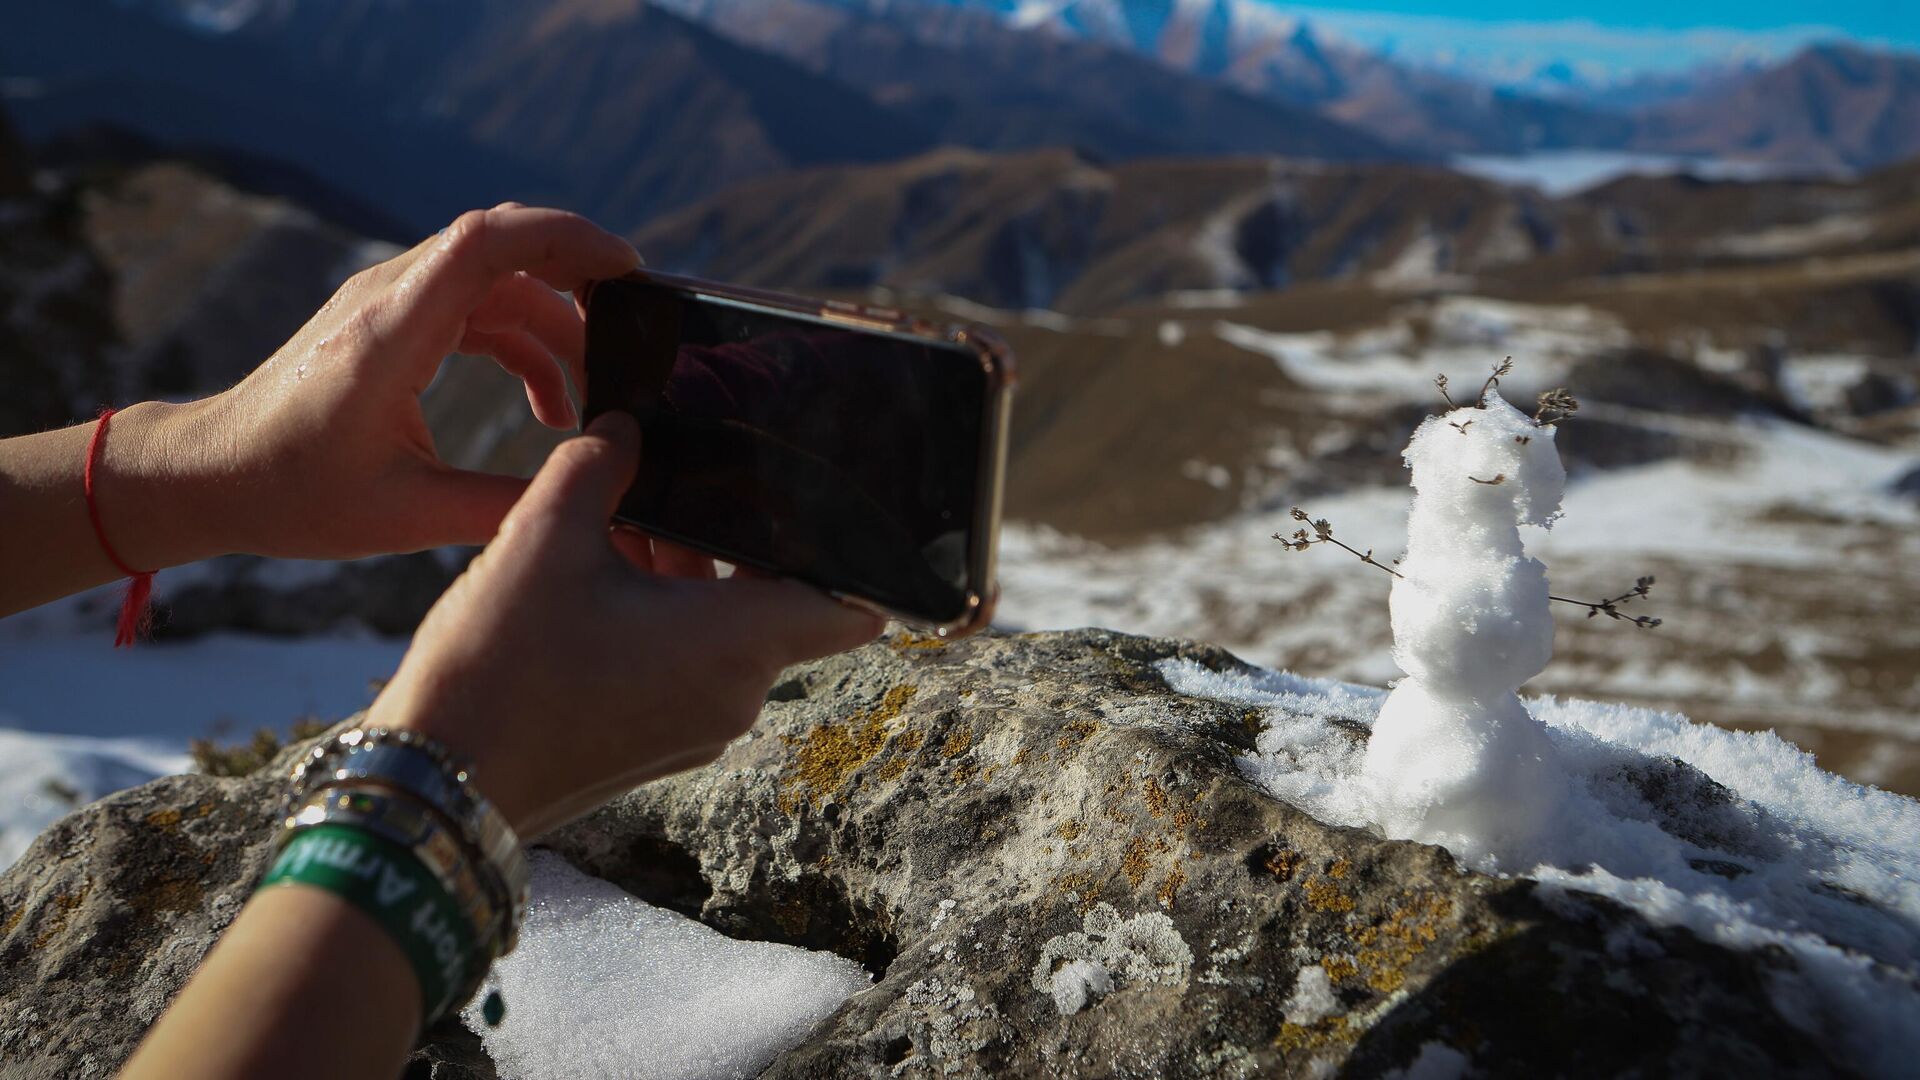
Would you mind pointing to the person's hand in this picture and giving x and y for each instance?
(570, 663)
(323, 451)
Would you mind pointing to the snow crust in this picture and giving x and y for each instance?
(605, 985)
(1736, 836)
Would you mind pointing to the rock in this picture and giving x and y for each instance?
(387, 594)
(1052, 865)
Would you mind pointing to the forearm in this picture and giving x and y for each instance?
(156, 470)
(302, 985)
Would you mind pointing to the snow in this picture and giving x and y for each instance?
(1565, 172)
(80, 719)
(1825, 868)
(1436, 1061)
(46, 776)
(604, 985)
(1078, 984)
(222, 684)
(1455, 759)
(1312, 999)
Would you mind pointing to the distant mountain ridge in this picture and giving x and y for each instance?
(1830, 105)
(620, 108)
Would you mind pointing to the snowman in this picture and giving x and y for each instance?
(1455, 758)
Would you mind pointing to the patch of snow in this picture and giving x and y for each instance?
(1822, 869)
(1821, 382)
(1196, 299)
(604, 985)
(80, 719)
(1565, 172)
(1078, 984)
(218, 685)
(43, 777)
(1172, 333)
(1795, 239)
(1436, 1061)
(1312, 999)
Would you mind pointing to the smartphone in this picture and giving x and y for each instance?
(851, 447)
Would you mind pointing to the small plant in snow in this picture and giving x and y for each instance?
(1454, 757)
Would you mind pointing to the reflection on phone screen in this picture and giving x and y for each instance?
(850, 459)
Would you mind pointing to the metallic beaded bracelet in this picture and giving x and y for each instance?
(401, 820)
(420, 768)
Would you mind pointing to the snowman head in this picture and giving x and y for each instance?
(1489, 464)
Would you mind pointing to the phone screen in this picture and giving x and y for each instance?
(848, 458)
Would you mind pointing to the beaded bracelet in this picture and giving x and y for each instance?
(418, 767)
(393, 806)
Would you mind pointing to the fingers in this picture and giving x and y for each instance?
(454, 273)
(672, 560)
(520, 355)
(454, 506)
(797, 622)
(634, 546)
(482, 246)
(523, 303)
(579, 487)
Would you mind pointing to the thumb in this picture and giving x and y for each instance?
(580, 486)
(798, 622)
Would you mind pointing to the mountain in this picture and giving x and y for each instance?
(619, 108)
(434, 106)
(1055, 230)
(1833, 105)
(1051, 229)
(980, 83)
(1830, 106)
(1283, 58)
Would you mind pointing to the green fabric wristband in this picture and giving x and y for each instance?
(387, 882)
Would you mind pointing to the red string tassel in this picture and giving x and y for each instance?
(136, 614)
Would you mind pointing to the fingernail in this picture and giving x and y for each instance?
(570, 413)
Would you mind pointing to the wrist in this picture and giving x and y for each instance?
(158, 485)
(467, 731)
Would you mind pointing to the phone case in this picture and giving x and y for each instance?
(996, 359)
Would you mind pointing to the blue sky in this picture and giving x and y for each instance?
(1618, 36)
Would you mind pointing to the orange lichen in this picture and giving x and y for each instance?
(907, 639)
(1134, 863)
(958, 742)
(1077, 731)
(164, 819)
(1156, 798)
(1387, 947)
(1282, 863)
(1170, 888)
(1339, 968)
(64, 905)
(830, 754)
(1339, 869)
(1324, 895)
(1068, 830)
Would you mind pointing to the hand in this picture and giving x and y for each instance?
(323, 452)
(570, 663)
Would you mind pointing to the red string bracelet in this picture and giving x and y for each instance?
(136, 617)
